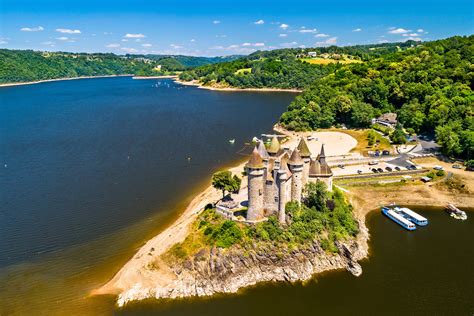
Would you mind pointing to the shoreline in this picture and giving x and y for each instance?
(195, 83)
(13, 84)
(155, 77)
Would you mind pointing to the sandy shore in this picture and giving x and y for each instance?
(200, 86)
(155, 77)
(132, 272)
(60, 79)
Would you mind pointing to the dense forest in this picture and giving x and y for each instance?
(429, 85)
(28, 65)
(282, 68)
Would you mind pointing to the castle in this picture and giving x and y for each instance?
(276, 177)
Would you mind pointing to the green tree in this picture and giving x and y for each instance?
(225, 182)
(316, 195)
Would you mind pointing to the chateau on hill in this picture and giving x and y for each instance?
(277, 176)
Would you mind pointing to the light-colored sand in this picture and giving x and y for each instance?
(59, 79)
(335, 143)
(155, 77)
(195, 83)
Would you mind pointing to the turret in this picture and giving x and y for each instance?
(263, 152)
(319, 170)
(296, 164)
(283, 175)
(274, 147)
(255, 173)
(305, 154)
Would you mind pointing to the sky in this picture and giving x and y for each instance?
(217, 28)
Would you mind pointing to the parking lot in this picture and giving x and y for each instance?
(386, 167)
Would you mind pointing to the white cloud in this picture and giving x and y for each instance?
(420, 31)
(357, 30)
(216, 22)
(289, 44)
(259, 22)
(146, 45)
(398, 31)
(283, 35)
(192, 40)
(321, 35)
(176, 46)
(124, 40)
(253, 44)
(221, 36)
(329, 41)
(129, 50)
(232, 46)
(284, 26)
(411, 34)
(62, 38)
(68, 31)
(308, 31)
(48, 43)
(113, 45)
(32, 29)
(3, 42)
(130, 35)
(382, 41)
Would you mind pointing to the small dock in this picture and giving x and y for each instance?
(456, 213)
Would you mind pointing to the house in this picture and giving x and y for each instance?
(312, 54)
(386, 119)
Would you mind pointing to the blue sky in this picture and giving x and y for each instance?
(215, 28)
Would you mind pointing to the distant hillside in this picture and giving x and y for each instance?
(29, 65)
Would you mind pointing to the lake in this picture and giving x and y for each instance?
(91, 169)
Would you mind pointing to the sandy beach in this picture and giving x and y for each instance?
(60, 79)
(195, 83)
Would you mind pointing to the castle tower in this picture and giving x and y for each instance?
(305, 154)
(274, 147)
(296, 164)
(283, 176)
(319, 170)
(270, 191)
(255, 172)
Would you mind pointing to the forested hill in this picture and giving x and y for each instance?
(286, 68)
(429, 86)
(28, 65)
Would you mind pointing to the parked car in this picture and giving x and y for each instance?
(456, 166)
(385, 152)
(374, 170)
(359, 171)
(388, 168)
(341, 166)
(438, 168)
(373, 163)
(380, 169)
(397, 168)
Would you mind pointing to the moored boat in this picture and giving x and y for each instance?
(397, 218)
(412, 216)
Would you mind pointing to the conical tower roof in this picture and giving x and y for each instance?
(315, 167)
(284, 168)
(295, 158)
(304, 149)
(274, 146)
(262, 150)
(322, 155)
(255, 161)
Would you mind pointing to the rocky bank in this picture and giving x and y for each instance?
(228, 270)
